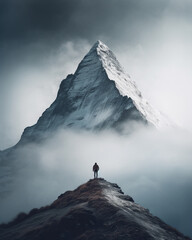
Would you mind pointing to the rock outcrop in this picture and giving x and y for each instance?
(97, 210)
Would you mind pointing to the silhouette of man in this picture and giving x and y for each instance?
(95, 170)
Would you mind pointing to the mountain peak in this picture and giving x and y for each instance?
(99, 95)
(96, 210)
(126, 86)
(99, 44)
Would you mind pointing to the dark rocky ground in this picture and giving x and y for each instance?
(96, 210)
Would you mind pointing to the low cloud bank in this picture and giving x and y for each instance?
(153, 167)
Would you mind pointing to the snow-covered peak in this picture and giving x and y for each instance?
(126, 86)
(99, 95)
(100, 45)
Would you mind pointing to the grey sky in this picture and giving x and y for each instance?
(41, 41)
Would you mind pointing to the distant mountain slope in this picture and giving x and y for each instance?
(99, 95)
(95, 210)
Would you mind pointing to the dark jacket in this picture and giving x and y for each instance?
(95, 167)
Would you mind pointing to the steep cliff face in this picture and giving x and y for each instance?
(95, 210)
(98, 95)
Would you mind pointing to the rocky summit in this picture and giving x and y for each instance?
(97, 210)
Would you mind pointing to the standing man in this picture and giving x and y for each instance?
(95, 170)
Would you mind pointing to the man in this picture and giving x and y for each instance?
(95, 170)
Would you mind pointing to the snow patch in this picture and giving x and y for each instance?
(127, 86)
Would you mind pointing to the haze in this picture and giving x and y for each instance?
(154, 167)
(42, 41)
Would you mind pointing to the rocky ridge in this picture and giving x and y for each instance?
(96, 210)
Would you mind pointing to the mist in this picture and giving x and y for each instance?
(43, 41)
(154, 167)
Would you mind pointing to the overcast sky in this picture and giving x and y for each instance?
(41, 41)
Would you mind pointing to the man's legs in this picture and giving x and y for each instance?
(95, 174)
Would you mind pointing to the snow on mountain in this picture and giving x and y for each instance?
(127, 86)
(98, 95)
(95, 210)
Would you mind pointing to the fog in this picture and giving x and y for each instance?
(29, 87)
(154, 167)
(43, 41)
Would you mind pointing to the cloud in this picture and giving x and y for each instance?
(153, 167)
(52, 21)
(34, 88)
(43, 41)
